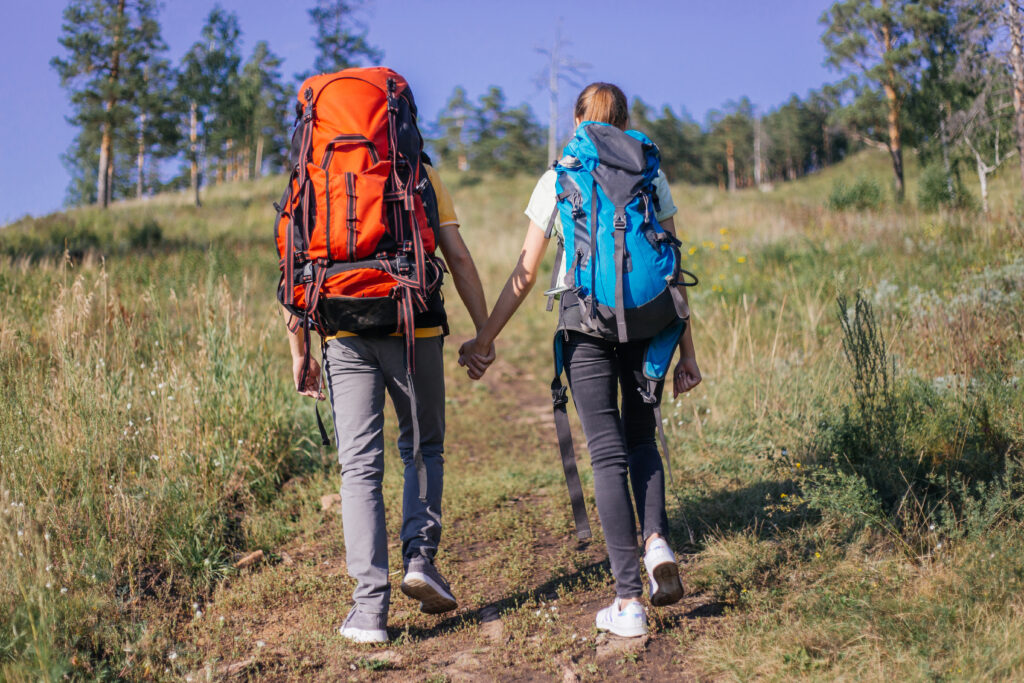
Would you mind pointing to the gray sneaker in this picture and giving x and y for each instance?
(363, 627)
(424, 583)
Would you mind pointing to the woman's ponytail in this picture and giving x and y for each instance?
(603, 102)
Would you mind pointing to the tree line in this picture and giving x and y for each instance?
(221, 115)
(943, 77)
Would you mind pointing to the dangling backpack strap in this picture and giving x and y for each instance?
(559, 397)
(324, 379)
(559, 251)
(657, 359)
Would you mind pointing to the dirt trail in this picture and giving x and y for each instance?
(277, 619)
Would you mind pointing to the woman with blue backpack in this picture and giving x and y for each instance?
(622, 312)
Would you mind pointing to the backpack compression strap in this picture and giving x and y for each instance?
(620, 273)
(559, 397)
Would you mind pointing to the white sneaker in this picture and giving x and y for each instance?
(365, 628)
(629, 621)
(662, 570)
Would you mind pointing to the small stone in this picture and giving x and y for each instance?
(614, 647)
(491, 625)
(249, 560)
(287, 560)
(237, 667)
(329, 501)
(467, 662)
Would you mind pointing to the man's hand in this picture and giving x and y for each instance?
(476, 358)
(685, 377)
(311, 387)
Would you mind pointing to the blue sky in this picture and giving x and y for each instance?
(686, 54)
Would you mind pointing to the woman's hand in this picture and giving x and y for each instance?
(311, 387)
(476, 358)
(685, 377)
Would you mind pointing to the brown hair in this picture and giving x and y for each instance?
(603, 102)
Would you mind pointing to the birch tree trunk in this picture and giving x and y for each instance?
(730, 163)
(1013, 23)
(193, 146)
(258, 166)
(140, 160)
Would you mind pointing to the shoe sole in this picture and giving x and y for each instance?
(433, 598)
(361, 635)
(670, 588)
(623, 633)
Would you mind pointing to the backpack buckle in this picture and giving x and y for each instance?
(619, 222)
(559, 396)
(402, 265)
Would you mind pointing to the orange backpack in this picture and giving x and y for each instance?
(357, 225)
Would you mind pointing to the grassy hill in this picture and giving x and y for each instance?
(847, 478)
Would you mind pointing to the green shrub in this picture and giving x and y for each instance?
(901, 454)
(863, 193)
(934, 191)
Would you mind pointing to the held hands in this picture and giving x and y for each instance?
(685, 377)
(311, 387)
(476, 358)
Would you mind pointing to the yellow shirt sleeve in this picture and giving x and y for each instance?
(445, 206)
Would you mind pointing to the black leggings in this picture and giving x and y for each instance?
(618, 443)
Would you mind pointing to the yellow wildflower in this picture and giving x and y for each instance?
(725, 247)
(693, 250)
(723, 231)
(741, 259)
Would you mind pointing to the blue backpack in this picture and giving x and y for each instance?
(621, 269)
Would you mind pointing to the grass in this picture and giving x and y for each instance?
(832, 528)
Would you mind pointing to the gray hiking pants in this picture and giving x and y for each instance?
(359, 370)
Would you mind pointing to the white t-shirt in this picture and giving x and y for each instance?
(544, 198)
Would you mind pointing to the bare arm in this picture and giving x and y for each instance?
(686, 375)
(297, 344)
(519, 284)
(464, 273)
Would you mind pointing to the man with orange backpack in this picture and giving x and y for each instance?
(357, 231)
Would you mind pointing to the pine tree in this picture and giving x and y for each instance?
(874, 41)
(729, 144)
(156, 134)
(207, 88)
(340, 37)
(453, 128)
(677, 137)
(507, 141)
(109, 44)
(264, 100)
